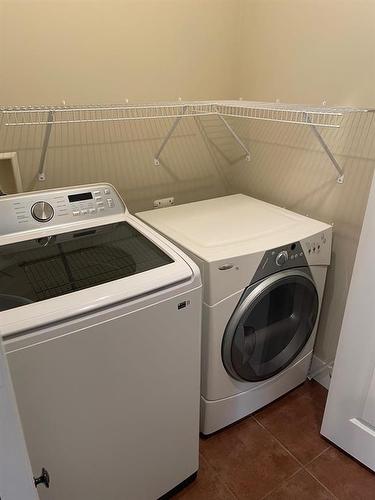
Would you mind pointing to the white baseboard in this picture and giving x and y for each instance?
(320, 371)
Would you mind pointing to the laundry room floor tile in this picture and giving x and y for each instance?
(248, 459)
(342, 475)
(295, 421)
(278, 454)
(302, 486)
(207, 486)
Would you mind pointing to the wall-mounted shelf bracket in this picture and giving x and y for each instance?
(322, 142)
(43, 154)
(235, 136)
(168, 136)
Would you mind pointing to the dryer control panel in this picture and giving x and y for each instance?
(55, 207)
(314, 250)
(284, 257)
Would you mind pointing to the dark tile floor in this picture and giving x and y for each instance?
(277, 454)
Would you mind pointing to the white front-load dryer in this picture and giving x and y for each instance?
(264, 271)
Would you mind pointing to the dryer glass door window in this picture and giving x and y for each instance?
(270, 326)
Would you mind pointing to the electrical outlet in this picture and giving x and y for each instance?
(164, 202)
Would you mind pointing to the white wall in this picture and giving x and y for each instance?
(107, 51)
(86, 51)
(309, 51)
(293, 50)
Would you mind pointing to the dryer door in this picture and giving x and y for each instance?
(270, 326)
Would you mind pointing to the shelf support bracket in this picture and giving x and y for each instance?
(340, 178)
(43, 154)
(235, 136)
(168, 136)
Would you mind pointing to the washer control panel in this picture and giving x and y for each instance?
(54, 207)
(95, 202)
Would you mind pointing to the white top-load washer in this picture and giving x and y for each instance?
(101, 320)
(263, 271)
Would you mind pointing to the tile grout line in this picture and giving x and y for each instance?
(217, 476)
(302, 466)
(279, 442)
(227, 486)
(282, 483)
(321, 484)
(314, 476)
(224, 483)
(230, 490)
(317, 456)
(287, 449)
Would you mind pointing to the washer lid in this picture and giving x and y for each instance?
(60, 276)
(231, 225)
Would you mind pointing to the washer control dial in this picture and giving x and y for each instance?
(281, 258)
(42, 211)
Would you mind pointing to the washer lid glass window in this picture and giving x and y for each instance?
(35, 270)
(270, 326)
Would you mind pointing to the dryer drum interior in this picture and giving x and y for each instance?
(270, 326)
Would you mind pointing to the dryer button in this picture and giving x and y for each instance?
(281, 258)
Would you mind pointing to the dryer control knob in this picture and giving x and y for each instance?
(281, 258)
(42, 211)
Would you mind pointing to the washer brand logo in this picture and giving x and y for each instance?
(183, 304)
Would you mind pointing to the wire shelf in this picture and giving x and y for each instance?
(277, 112)
(30, 115)
(286, 113)
(324, 117)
